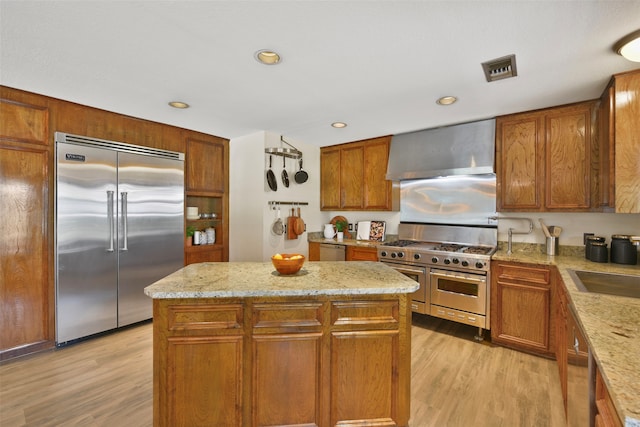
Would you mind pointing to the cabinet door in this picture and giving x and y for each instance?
(314, 251)
(355, 253)
(519, 162)
(627, 142)
(568, 158)
(196, 254)
(330, 179)
(205, 166)
(377, 190)
(352, 176)
(521, 308)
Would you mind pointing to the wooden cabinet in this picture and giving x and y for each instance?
(314, 251)
(562, 350)
(27, 182)
(207, 188)
(360, 253)
(352, 177)
(619, 135)
(342, 360)
(544, 159)
(26, 285)
(522, 296)
(606, 414)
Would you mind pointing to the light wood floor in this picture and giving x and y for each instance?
(456, 381)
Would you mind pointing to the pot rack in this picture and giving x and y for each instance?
(276, 203)
(292, 153)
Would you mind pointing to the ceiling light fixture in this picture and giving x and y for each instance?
(179, 104)
(339, 125)
(446, 100)
(629, 46)
(267, 57)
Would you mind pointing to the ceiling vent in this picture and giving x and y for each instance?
(500, 68)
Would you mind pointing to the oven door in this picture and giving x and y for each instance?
(460, 291)
(420, 298)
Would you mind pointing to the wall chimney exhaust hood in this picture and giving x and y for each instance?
(464, 149)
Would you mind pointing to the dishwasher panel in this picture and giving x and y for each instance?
(329, 252)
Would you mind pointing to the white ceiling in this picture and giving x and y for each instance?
(377, 65)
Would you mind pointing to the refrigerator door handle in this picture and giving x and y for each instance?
(123, 196)
(110, 219)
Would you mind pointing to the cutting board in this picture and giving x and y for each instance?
(291, 226)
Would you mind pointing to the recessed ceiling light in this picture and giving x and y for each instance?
(339, 125)
(267, 57)
(179, 104)
(629, 46)
(446, 100)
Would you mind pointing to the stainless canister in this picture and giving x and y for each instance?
(552, 246)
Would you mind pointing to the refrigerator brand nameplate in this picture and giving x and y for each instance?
(75, 157)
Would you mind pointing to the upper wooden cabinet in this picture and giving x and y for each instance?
(206, 169)
(544, 159)
(619, 134)
(352, 177)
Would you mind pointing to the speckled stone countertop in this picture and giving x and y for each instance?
(611, 323)
(319, 238)
(260, 279)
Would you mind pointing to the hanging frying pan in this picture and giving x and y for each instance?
(285, 175)
(301, 176)
(271, 178)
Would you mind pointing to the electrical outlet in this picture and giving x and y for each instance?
(584, 238)
(350, 226)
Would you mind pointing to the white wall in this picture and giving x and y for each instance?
(573, 225)
(250, 216)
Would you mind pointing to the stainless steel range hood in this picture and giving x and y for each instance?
(465, 149)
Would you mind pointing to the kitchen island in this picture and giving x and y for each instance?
(237, 344)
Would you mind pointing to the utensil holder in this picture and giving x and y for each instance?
(552, 246)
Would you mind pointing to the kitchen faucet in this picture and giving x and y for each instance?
(510, 231)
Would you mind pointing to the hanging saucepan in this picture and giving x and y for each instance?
(301, 176)
(271, 178)
(285, 175)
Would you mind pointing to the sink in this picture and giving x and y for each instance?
(624, 285)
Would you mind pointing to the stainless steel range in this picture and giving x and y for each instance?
(452, 265)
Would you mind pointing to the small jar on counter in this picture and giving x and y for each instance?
(590, 240)
(599, 252)
(622, 250)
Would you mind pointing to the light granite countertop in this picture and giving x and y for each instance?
(260, 279)
(318, 237)
(611, 323)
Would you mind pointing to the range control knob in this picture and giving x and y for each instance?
(383, 253)
(400, 254)
(417, 256)
(465, 263)
(393, 254)
(479, 264)
(455, 261)
(434, 260)
(447, 261)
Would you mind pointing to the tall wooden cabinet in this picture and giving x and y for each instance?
(207, 188)
(27, 176)
(619, 135)
(352, 177)
(26, 286)
(544, 159)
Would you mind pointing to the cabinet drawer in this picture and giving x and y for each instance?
(288, 315)
(205, 316)
(364, 313)
(521, 273)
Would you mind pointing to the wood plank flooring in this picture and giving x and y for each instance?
(107, 381)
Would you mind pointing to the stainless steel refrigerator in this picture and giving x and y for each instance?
(119, 228)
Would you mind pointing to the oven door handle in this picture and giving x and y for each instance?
(475, 279)
(407, 269)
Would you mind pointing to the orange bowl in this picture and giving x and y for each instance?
(286, 264)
